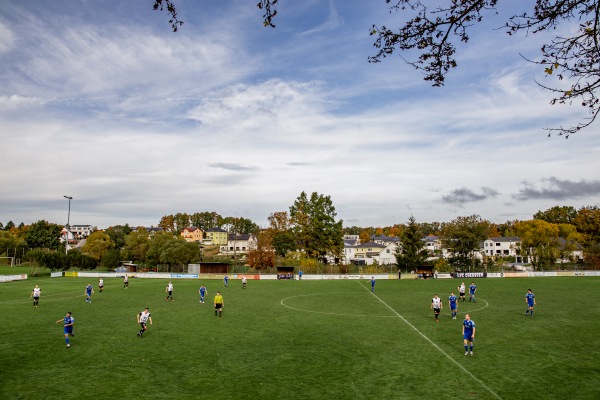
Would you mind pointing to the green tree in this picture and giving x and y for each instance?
(118, 233)
(411, 253)
(136, 246)
(240, 226)
(462, 237)
(206, 220)
(43, 234)
(282, 238)
(181, 221)
(164, 248)
(557, 215)
(97, 244)
(11, 244)
(539, 241)
(315, 228)
(9, 225)
(111, 259)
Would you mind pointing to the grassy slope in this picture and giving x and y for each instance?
(293, 340)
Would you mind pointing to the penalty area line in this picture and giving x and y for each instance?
(459, 365)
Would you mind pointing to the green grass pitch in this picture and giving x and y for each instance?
(300, 340)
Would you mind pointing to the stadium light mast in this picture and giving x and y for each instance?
(68, 224)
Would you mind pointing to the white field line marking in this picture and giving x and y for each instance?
(327, 313)
(459, 365)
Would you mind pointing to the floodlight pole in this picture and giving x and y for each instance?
(68, 224)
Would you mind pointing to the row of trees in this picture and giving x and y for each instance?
(552, 235)
(205, 221)
(309, 233)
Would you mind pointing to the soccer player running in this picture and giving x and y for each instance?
(244, 282)
(472, 290)
(101, 285)
(169, 291)
(203, 292)
(453, 305)
(461, 291)
(125, 281)
(372, 284)
(88, 293)
(225, 281)
(468, 331)
(142, 319)
(68, 322)
(436, 305)
(219, 304)
(35, 294)
(530, 300)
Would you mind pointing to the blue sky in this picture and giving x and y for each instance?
(100, 101)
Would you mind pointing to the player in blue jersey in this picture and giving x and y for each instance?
(202, 291)
(530, 300)
(468, 331)
(453, 305)
(68, 322)
(372, 284)
(88, 293)
(225, 281)
(472, 290)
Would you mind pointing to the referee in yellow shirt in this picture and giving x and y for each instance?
(218, 304)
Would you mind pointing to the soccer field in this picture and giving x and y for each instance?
(300, 340)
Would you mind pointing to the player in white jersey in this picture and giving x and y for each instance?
(461, 291)
(169, 291)
(142, 319)
(244, 281)
(101, 285)
(436, 306)
(36, 295)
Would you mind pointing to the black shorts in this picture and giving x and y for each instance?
(436, 310)
(462, 294)
(37, 298)
(218, 306)
(143, 325)
(170, 293)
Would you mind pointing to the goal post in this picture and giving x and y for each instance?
(4, 261)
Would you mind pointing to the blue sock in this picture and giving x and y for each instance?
(471, 347)
(466, 348)
(67, 340)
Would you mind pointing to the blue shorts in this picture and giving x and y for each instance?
(68, 330)
(453, 307)
(530, 304)
(468, 336)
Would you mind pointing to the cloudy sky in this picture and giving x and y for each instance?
(101, 101)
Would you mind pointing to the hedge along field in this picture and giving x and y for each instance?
(300, 339)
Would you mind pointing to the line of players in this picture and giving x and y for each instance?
(144, 316)
(468, 328)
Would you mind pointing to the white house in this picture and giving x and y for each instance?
(238, 245)
(501, 246)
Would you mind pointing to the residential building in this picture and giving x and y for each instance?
(385, 240)
(501, 246)
(238, 245)
(217, 236)
(370, 252)
(80, 231)
(192, 234)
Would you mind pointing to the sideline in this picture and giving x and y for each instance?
(459, 365)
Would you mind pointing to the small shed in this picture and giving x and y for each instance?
(214, 267)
